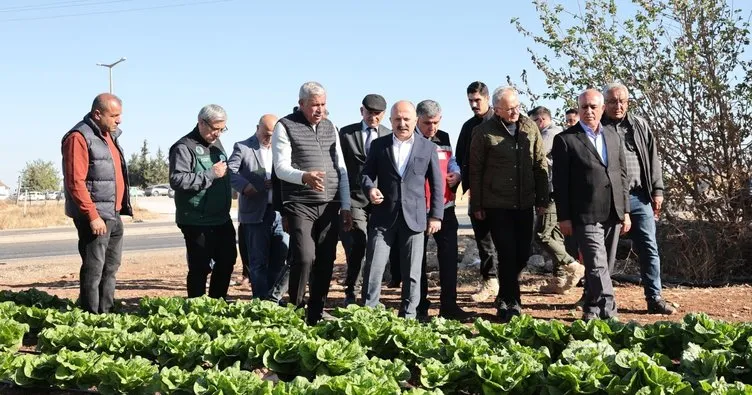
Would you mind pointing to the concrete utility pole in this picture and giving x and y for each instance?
(110, 66)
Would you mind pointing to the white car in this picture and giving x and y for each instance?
(157, 190)
(36, 196)
(52, 195)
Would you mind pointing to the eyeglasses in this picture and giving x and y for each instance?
(614, 101)
(213, 129)
(509, 110)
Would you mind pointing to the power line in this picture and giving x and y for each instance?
(114, 11)
(63, 4)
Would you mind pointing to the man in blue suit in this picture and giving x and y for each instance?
(266, 242)
(400, 163)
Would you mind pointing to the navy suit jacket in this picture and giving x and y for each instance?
(246, 167)
(406, 193)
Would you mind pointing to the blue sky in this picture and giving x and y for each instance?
(249, 57)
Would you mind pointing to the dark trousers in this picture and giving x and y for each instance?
(266, 252)
(209, 249)
(243, 251)
(313, 231)
(486, 249)
(100, 260)
(512, 233)
(446, 254)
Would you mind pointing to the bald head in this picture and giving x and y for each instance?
(105, 112)
(591, 108)
(403, 119)
(265, 129)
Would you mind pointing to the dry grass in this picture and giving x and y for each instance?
(46, 214)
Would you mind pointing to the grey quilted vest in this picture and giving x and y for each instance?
(311, 151)
(100, 179)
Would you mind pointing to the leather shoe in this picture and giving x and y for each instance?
(455, 313)
(659, 306)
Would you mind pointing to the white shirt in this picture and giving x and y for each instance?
(266, 159)
(282, 153)
(401, 151)
(374, 135)
(596, 137)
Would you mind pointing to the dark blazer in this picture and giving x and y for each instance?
(353, 150)
(407, 193)
(247, 166)
(585, 190)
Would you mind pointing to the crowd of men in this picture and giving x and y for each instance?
(303, 185)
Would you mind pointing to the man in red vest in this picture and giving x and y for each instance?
(429, 117)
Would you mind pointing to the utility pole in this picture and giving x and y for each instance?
(110, 66)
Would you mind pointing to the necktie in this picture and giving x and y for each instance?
(369, 137)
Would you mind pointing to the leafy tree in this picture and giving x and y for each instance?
(683, 62)
(40, 175)
(144, 170)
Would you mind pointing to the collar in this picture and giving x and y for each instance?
(397, 141)
(590, 131)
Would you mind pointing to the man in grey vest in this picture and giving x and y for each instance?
(95, 178)
(315, 194)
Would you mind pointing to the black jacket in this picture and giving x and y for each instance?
(352, 143)
(647, 150)
(462, 154)
(585, 190)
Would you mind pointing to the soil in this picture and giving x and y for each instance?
(163, 272)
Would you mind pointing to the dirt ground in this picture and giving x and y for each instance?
(162, 272)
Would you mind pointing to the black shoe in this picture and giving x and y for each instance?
(422, 316)
(393, 284)
(506, 315)
(589, 317)
(349, 299)
(659, 306)
(455, 313)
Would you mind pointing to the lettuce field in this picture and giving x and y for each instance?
(172, 345)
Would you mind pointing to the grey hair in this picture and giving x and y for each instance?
(429, 108)
(500, 92)
(212, 113)
(600, 96)
(613, 86)
(309, 89)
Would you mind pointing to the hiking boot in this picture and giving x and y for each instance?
(554, 286)
(488, 288)
(573, 273)
(659, 306)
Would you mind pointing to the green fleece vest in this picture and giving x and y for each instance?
(210, 206)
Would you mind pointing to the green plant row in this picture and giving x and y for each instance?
(84, 370)
(11, 335)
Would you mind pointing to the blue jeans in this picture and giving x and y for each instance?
(267, 247)
(644, 242)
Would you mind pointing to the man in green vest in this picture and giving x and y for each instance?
(199, 176)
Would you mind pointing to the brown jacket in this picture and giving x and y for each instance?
(509, 172)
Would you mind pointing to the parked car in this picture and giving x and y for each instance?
(52, 195)
(34, 195)
(157, 190)
(136, 192)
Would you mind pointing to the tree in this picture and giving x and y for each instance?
(683, 63)
(40, 176)
(143, 170)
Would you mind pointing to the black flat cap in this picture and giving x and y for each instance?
(374, 102)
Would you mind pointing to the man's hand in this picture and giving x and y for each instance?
(375, 196)
(626, 225)
(541, 211)
(434, 225)
(453, 179)
(220, 169)
(347, 220)
(480, 215)
(566, 228)
(98, 227)
(657, 205)
(268, 184)
(285, 224)
(249, 190)
(315, 180)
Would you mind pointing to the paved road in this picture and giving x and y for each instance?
(171, 238)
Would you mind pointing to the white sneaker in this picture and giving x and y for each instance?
(488, 289)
